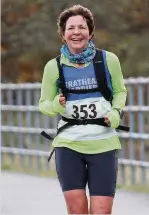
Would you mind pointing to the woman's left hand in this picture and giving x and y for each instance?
(112, 118)
(107, 121)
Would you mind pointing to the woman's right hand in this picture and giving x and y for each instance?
(62, 100)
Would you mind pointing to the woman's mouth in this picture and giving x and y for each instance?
(76, 40)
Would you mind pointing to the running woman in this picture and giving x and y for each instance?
(85, 154)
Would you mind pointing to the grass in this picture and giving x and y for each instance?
(32, 165)
(135, 188)
(39, 166)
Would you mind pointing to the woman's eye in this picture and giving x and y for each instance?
(82, 27)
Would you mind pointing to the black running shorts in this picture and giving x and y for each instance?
(75, 170)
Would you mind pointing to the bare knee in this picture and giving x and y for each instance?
(76, 201)
(101, 204)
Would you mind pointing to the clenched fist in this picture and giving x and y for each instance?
(62, 100)
(107, 121)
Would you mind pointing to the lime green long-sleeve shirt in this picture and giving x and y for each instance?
(49, 105)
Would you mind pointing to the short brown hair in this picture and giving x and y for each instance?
(74, 11)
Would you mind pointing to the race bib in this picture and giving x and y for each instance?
(84, 111)
(87, 108)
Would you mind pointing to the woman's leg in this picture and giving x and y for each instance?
(76, 201)
(72, 175)
(101, 204)
(102, 177)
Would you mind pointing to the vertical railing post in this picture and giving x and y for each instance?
(132, 129)
(11, 119)
(19, 99)
(141, 130)
(29, 138)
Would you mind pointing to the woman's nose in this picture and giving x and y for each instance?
(76, 31)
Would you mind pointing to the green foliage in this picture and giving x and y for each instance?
(30, 38)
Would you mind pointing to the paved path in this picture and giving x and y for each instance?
(30, 195)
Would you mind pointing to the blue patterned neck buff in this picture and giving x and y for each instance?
(86, 56)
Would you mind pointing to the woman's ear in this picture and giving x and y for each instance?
(62, 38)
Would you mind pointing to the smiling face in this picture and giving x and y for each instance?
(76, 34)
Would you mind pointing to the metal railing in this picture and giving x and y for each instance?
(22, 123)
